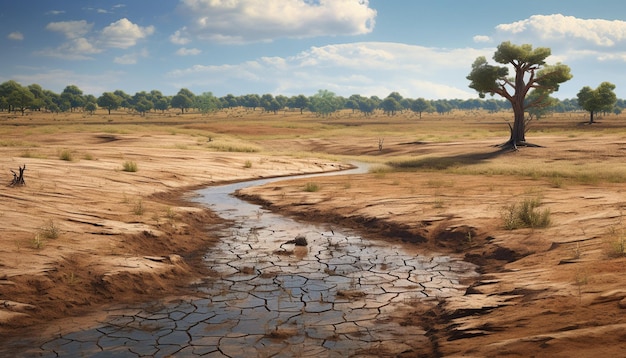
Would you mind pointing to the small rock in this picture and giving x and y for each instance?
(300, 240)
(622, 303)
(175, 259)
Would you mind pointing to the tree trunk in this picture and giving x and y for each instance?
(518, 133)
(591, 121)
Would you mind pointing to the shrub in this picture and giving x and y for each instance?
(49, 231)
(66, 155)
(311, 187)
(130, 166)
(525, 215)
(138, 208)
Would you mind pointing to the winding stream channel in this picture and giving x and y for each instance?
(335, 297)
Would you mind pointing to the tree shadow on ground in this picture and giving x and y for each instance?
(446, 162)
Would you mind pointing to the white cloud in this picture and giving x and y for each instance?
(82, 42)
(74, 49)
(180, 37)
(15, 36)
(55, 12)
(367, 68)
(124, 34)
(244, 21)
(481, 38)
(131, 58)
(557, 28)
(70, 29)
(188, 51)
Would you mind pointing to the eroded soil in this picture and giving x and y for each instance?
(130, 236)
(555, 292)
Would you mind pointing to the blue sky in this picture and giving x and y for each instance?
(416, 47)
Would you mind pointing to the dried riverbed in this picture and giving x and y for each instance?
(336, 296)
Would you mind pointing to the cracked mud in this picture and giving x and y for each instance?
(337, 296)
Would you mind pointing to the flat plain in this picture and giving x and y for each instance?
(105, 217)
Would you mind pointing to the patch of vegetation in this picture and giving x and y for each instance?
(66, 155)
(311, 187)
(29, 154)
(526, 215)
(130, 166)
(616, 245)
(247, 164)
(138, 208)
(38, 242)
(428, 163)
(50, 230)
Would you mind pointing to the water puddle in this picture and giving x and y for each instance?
(336, 296)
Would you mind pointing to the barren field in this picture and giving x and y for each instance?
(104, 218)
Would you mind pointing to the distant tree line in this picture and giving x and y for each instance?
(17, 98)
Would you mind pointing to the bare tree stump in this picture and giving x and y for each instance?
(18, 179)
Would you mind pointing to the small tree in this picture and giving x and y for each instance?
(143, 105)
(300, 101)
(531, 73)
(183, 100)
(390, 105)
(595, 100)
(91, 107)
(110, 101)
(421, 105)
(21, 98)
(74, 96)
(325, 102)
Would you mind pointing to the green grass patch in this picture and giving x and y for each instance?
(525, 215)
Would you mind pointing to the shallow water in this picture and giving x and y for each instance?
(337, 296)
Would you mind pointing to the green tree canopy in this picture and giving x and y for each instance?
(300, 101)
(531, 73)
(21, 98)
(595, 100)
(421, 105)
(110, 101)
(74, 96)
(324, 103)
(207, 102)
(183, 100)
(391, 105)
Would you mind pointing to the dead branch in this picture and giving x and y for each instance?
(18, 179)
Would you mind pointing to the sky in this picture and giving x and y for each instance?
(418, 48)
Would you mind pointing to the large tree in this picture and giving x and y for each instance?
(531, 74)
(595, 100)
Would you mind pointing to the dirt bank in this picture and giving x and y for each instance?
(557, 291)
(84, 232)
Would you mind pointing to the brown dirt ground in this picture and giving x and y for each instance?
(122, 236)
(132, 237)
(554, 292)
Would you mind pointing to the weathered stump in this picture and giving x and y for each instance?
(18, 179)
